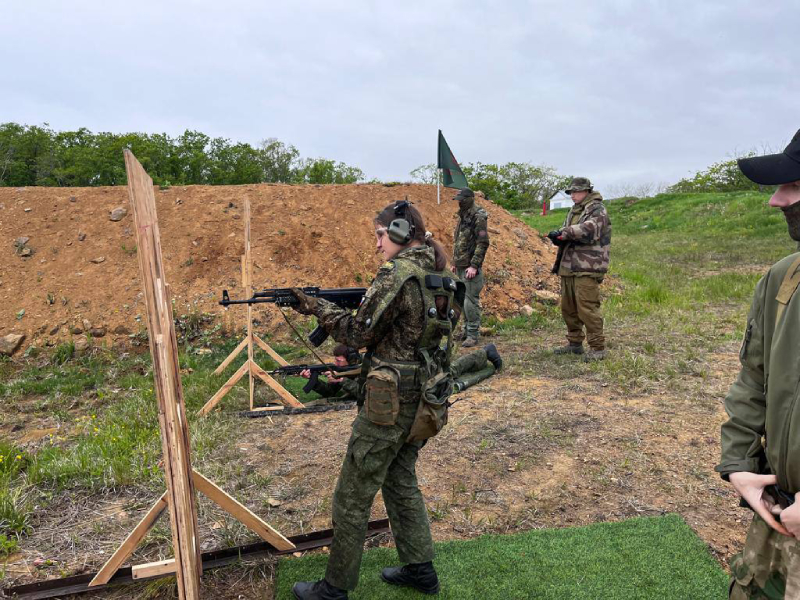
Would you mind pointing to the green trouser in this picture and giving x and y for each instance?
(378, 458)
(580, 306)
(471, 369)
(769, 566)
(472, 302)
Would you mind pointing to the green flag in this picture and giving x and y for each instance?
(452, 176)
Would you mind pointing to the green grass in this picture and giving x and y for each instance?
(654, 557)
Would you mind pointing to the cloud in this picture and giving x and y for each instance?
(618, 91)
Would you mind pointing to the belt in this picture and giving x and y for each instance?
(410, 373)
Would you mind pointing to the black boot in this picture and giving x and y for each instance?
(317, 590)
(420, 576)
(494, 356)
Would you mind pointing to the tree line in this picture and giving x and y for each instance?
(32, 155)
(514, 185)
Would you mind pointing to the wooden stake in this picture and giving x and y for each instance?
(241, 513)
(231, 356)
(225, 389)
(166, 374)
(268, 349)
(130, 543)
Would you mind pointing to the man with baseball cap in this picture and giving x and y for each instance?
(583, 255)
(761, 439)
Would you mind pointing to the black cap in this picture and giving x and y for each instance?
(774, 169)
(465, 193)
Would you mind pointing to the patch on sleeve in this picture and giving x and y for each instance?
(388, 265)
(482, 233)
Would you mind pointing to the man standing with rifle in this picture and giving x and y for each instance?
(761, 439)
(583, 254)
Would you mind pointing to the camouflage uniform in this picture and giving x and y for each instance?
(587, 231)
(761, 433)
(378, 456)
(340, 391)
(471, 241)
(471, 369)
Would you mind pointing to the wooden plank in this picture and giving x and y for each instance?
(241, 513)
(248, 287)
(285, 395)
(231, 356)
(266, 408)
(226, 387)
(166, 375)
(153, 569)
(266, 348)
(129, 545)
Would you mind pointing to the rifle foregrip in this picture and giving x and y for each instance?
(317, 336)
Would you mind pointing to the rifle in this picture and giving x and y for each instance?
(316, 371)
(344, 297)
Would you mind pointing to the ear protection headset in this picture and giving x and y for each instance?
(401, 230)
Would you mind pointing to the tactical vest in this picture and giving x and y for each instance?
(443, 297)
(426, 381)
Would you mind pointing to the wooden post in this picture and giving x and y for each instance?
(248, 342)
(167, 383)
(181, 479)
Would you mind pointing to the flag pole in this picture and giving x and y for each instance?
(438, 182)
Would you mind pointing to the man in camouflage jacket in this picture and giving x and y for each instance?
(471, 241)
(761, 439)
(582, 263)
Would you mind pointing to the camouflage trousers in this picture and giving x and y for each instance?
(472, 302)
(769, 566)
(580, 307)
(471, 369)
(378, 458)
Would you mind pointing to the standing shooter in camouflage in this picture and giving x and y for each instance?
(471, 241)
(582, 263)
(406, 312)
(761, 439)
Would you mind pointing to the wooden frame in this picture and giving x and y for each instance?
(181, 479)
(250, 367)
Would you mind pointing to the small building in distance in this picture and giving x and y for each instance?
(560, 200)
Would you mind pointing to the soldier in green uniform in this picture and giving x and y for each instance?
(761, 439)
(582, 263)
(339, 389)
(471, 241)
(474, 367)
(405, 314)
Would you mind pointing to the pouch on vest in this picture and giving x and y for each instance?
(382, 395)
(431, 414)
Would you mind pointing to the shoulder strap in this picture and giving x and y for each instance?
(791, 282)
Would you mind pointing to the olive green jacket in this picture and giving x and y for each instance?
(763, 402)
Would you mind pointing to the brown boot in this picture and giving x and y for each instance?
(593, 354)
(569, 349)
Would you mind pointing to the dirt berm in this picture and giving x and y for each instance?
(83, 267)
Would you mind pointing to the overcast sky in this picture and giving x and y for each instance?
(619, 91)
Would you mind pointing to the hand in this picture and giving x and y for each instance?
(305, 304)
(751, 487)
(305, 373)
(556, 237)
(332, 378)
(790, 517)
(453, 269)
(471, 272)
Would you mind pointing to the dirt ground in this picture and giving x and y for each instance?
(522, 451)
(83, 265)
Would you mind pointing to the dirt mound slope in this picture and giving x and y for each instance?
(83, 265)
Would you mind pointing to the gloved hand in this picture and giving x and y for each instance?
(555, 237)
(305, 304)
